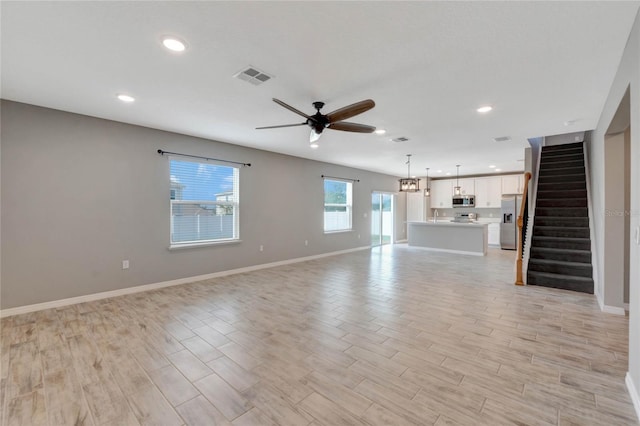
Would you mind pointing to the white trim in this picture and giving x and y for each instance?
(146, 287)
(633, 393)
(616, 310)
(626, 307)
(401, 241)
(202, 244)
(598, 294)
(598, 287)
(338, 231)
(470, 253)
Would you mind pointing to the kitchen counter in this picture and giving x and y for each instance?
(448, 223)
(451, 237)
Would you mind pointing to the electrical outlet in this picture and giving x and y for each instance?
(358, 236)
(306, 243)
(125, 264)
(261, 247)
(638, 235)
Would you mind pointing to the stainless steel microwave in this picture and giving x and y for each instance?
(464, 201)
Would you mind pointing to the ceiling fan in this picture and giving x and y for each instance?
(318, 121)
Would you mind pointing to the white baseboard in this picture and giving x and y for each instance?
(633, 392)
(470, 253)
(616, 310)
(599, 297)
(146, 287)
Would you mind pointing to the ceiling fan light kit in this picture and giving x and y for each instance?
(409, 184)
(318, 121)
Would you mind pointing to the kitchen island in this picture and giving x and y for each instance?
(452, 237)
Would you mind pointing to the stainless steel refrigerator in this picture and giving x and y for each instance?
(509, 226)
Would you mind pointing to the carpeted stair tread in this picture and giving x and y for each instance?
(562, 186)
(567, 255)
(562, 242)
(562, 211)
(580, 177)
(562, 202)
(561, 231)
(562, 193)
(577, 269)
(555, 158)
(565, 282)
(562, 147)
(570, 222)
(562, 172)
(564, 164)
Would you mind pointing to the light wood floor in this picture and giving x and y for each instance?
(391, 336)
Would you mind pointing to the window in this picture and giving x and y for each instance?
(337, 205)
(204, 202)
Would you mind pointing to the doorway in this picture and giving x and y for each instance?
(381, 218)
(617, 200)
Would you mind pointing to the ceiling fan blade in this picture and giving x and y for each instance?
(352, 127)
(350, 110)
(282, 125)
(292, 109)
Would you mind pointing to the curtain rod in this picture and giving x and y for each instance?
(161, 152)
(341, 178)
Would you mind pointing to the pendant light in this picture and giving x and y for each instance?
(456, 190)
(427, 190)
(409, 184)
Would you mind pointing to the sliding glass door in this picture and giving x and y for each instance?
(381, 218)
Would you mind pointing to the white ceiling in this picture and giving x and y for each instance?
(427, 65)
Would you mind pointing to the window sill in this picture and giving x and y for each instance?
(342, 231)
(207, 244)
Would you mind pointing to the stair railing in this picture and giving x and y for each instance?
(520, 222)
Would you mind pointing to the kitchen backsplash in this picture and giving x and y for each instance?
(483, 214)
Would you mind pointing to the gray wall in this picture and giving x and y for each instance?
(627, 76)
(81, 194)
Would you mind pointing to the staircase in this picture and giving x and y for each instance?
(560, 255)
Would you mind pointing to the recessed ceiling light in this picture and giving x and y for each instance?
(498, 170)
(126, 98)
(448, 173)
(314, 146)
(492, 166)
(439, 171)
(485, 108)
(380, 131)
(174, 44)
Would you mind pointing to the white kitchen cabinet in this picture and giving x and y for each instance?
(488, 192)
(467, 186)
(493, 237)
(441, 191)
(416, 207)
(512, 184)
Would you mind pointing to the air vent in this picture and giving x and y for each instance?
(253, 75)
(400, 139)
(502, 139)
